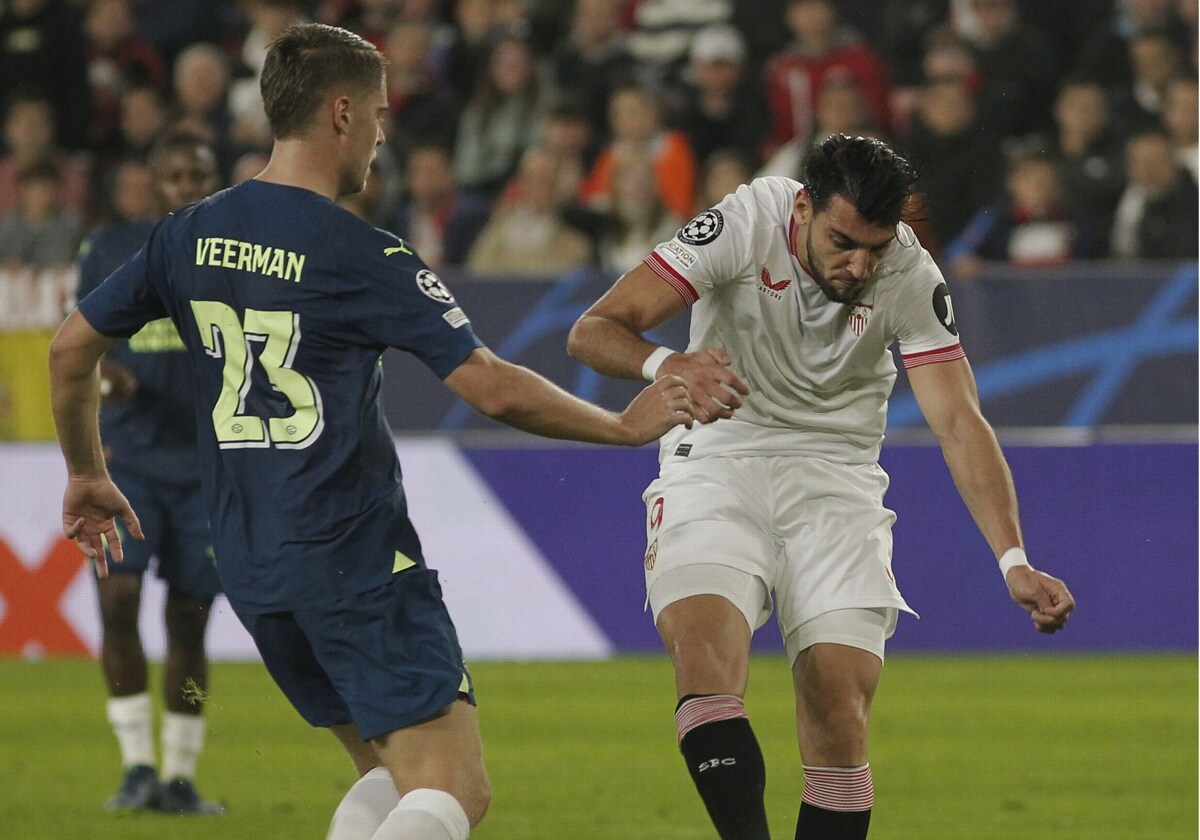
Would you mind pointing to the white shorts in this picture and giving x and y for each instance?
(813, 532)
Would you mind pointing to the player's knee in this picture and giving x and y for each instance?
(836, 729)
(476, 798)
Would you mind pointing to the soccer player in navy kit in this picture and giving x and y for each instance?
(149, 427)
(286, 303)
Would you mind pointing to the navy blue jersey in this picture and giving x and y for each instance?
(152, 436)
(286, 302)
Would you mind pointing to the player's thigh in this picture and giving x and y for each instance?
(392, 652)
(289, 658)
(837, 541)
(705, 518)
(186, 560)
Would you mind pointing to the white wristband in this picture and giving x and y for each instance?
(654, 362)
(1012, 557)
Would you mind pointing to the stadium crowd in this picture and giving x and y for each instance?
(529, 137)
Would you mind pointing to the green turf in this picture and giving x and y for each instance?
(967, 748)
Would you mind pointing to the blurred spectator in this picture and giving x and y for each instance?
(1156, 60)
(633, 224)
(501, 118)
(143, 119)
(267, 19)
(566, 135)
(28, 137)
(170, 26)
(467, 55)
(958, 161)
(248, 166)
(372, 19)
(1188, 12)
(1033, 226)
(527, 235)
(1156, 218)
(1179, 115)
(821, 49)
(1091, 154)
(593, 61)
(1018, 63)
(41, 49)
(723, 108)
(662, 35)
(759, 23)
(439, 220)
(39, 232)
(899, 30)
(133, 191)
(636, 124)
(201, 83)
(1105, 55)
(723, 172)
(421, 107)
(116, 61)
(842, 111)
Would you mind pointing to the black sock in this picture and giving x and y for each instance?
(818, 824)
(726, 764)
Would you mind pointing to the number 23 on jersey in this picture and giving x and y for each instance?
(227, 337)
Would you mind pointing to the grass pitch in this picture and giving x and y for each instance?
(979, 748)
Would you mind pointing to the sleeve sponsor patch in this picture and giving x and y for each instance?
(456, 317)
(432, 287)
(944, 309)
(703, 229)
(679, 255)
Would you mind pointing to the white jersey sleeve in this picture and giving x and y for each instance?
(922, 315)
(713, 248)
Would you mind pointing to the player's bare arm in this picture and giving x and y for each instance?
(520, 398)
(91, 501)
(608, 339)
(949, 400)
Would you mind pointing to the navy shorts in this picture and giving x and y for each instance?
(175, 522)
(384, 659)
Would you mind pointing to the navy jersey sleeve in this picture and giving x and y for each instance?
(405, 305)
(128, 299)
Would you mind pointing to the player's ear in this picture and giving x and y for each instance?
(341, 115)
(802, 207)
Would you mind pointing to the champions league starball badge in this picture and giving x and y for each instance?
(431, 286)
(703, 229)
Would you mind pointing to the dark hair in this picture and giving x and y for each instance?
(40, 169)
(866, 172)
(177, 141)
(305, 62)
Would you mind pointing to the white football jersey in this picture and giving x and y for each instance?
(820, 373)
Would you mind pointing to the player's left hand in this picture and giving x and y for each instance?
(1045, 598)
(90, 508)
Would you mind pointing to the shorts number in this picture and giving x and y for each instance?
(226, 337)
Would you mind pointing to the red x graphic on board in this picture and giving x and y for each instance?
(31, 596)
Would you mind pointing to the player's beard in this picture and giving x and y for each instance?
(836, 293)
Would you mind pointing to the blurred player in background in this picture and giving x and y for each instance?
(799, 290)
(286, 303)
(149, 432)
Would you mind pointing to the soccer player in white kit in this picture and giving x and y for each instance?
(797, 291)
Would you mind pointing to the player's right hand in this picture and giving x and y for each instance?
(662, 405)
(715, 390)
(90, 508)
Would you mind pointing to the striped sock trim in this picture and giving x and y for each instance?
(701, 710)
(839, 788)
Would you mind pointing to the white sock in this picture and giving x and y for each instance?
(182, 737)
(364, 807)
(425, 814)
(132, 720)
